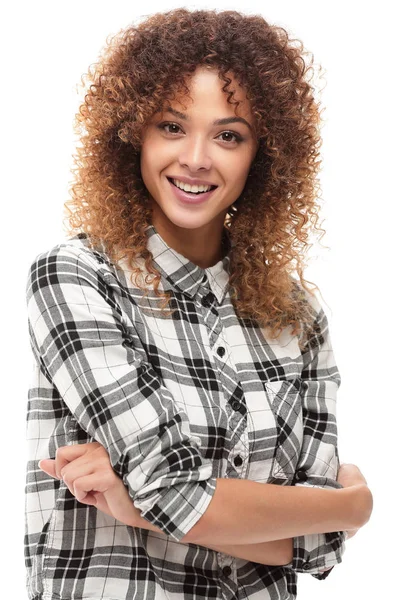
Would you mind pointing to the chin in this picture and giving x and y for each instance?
(188, 222)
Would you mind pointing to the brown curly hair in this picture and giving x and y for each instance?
(148, 63)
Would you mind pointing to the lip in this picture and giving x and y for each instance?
(187, 198)
(191, 181)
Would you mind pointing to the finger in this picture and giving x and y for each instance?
(350, 533)
(90, 499)
(77, 469)
(66, 454)
(95, 460)
(48, 466)
(78, 466)
(88, 485)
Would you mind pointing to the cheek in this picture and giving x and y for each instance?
(153, 159)
(147, 163)
(238, 172)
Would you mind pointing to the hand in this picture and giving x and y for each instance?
(88, 474)
(349, 475)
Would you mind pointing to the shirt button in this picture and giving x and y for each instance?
(208, 300)
(221, 351)
(301, 475)
(238, 461)
(227, 571)
(306, 566)
(235, 404)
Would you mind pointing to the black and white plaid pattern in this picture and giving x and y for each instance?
(177, 402)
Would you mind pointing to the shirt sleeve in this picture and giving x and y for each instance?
(79, 340)
(318, 462)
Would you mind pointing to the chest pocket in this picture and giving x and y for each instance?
(286, 404)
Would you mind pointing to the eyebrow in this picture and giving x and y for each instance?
(225, 121)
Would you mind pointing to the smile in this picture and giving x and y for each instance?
(186, 187)
(190, 197)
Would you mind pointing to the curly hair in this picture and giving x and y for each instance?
(149, 63)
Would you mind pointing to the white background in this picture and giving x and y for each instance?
(47, 46)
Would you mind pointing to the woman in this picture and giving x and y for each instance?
(185, 384)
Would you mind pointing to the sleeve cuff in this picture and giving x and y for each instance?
(180, 508)
(314, 553)
(323, 575)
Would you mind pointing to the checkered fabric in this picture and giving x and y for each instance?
(177, 401)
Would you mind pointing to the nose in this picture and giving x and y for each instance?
(194, 154)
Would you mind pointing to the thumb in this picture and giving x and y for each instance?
(48, 466)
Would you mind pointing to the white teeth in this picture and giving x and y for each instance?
(191, 188)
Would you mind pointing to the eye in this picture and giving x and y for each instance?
(172, 126)
(237, 136)
(175, 129)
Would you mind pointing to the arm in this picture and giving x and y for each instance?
(318, 465)
(87, 472)
(277, 552)
(80, 340)
(270, 512)
(85, 346)
(318, 462)
(246, 512)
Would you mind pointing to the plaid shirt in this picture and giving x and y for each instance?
(177, 402)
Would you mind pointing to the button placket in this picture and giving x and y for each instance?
(225, 567)
(235, 404)
(210, 316)
(301, 475)
(227, 571)
(214, 330)
(221, 351)
(238, 461)
(208, 300)
(219, 345)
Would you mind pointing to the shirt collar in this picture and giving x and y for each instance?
(184, 274)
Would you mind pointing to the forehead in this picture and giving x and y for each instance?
(205, 91)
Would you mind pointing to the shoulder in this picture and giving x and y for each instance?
(309, 299)
(72, 251)
(76, 261)
(314, 323)
(73, 260)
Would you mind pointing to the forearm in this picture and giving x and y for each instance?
(278, 552)
(246, 512)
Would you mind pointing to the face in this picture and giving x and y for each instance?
(185, 143)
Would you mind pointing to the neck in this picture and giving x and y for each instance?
(202, 246)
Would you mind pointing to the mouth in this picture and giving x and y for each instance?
(190, 197)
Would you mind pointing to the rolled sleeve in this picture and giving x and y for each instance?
(318, 462)
(178, 509)
(318, 554)
(77, 335)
